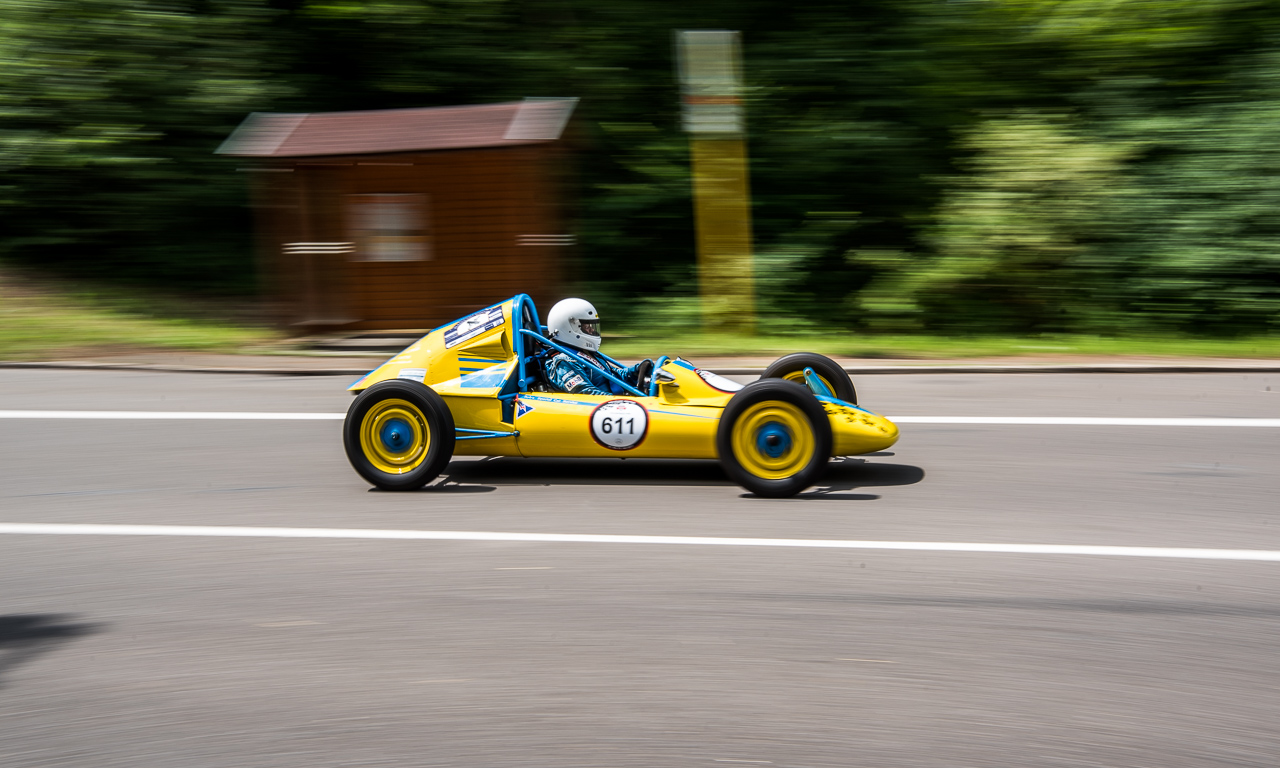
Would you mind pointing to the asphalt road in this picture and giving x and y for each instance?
(163, 651)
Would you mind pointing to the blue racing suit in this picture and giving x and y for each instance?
(567, 374)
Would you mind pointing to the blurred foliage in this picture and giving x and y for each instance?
(1022, 238)
(973, 166)
(109, 110)
(1066, 348)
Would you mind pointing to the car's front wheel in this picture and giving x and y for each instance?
(774, 438)
(398, 435)
(827, 370)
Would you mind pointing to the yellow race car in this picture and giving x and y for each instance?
(476, 387)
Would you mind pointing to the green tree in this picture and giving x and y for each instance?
(1021, 238)
(109, 112)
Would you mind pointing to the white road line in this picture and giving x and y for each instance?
(231, 415)
(1085, 421)
(72, 529)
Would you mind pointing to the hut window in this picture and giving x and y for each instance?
(389, 227)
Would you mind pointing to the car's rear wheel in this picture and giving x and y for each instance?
(399, 435)
(774, 438)
(827, 370)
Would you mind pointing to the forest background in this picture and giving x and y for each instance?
(917, 166)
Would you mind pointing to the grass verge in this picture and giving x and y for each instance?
(922, 347)
(42, 320)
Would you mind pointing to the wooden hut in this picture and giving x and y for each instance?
(406, 218)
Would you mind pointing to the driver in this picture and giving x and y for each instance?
(574, 323)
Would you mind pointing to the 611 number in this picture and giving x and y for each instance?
(607, 426)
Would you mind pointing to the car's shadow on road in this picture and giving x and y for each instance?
(850, 473)
(842, 475)
(25, 636)
(445, 485)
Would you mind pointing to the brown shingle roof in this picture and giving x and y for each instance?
(264, 134)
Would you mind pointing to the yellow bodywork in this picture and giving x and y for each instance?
(468, 363)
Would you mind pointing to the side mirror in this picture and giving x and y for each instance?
(665, 378)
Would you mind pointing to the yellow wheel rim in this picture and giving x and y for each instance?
(394, 436)
(798, 377)
(772, 440)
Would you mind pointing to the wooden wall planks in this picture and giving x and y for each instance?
(478, 204)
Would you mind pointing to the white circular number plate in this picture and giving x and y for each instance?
(619, 424)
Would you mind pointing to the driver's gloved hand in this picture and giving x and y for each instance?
(632, 374)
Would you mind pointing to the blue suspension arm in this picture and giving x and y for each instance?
(815, 384)
(480, 434)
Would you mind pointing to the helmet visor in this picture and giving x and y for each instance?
(590, 327)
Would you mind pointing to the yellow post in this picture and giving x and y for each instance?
(721, 201)
(710, 78)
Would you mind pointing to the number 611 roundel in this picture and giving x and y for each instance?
(619, 424)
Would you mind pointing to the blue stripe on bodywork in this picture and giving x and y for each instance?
(838, 401)
(690, 415)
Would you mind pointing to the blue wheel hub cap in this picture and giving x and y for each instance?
(773, 440)
(396, 435)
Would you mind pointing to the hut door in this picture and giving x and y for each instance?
(392, 249)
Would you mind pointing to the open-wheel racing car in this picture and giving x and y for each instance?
(477, 387)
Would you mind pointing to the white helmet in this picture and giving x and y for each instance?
(575, 322)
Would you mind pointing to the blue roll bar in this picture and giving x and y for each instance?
(517, 340)
(544, 340)
(653, 378)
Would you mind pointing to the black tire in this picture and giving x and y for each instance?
(793, 398)
(436, 421)
(825, 367)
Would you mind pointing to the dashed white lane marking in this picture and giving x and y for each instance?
(1083, 421)
(74, 529)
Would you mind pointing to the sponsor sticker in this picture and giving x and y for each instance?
(412, 374)
(574, 382)
(522, 408)
(471, 327)
(619, 425)
(559, 400)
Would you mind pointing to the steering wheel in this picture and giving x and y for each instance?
(644, 375)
